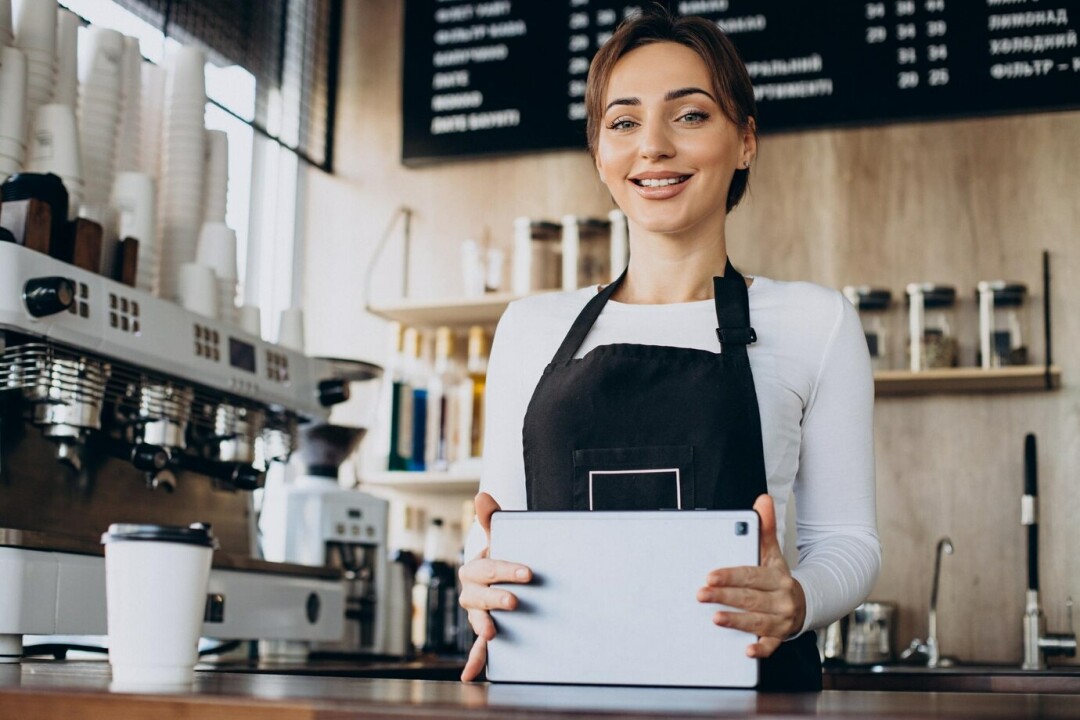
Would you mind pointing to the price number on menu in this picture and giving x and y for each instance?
(919, 32)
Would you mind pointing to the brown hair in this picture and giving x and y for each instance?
(731, 82)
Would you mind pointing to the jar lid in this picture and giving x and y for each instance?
(194, 534)
(934, 296)
(864, 297)
(1006, 294)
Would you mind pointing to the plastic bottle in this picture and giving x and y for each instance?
(418, 378)
(440, 401)
(477, 371)
(435, 606)
(401, 406)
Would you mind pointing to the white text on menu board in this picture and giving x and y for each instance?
(1045, 29)
(466, 35)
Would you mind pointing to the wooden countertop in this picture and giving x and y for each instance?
(53, 689)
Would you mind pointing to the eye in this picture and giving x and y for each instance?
(621, 124)
(694, 116)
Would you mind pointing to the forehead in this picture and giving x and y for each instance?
(655, 69)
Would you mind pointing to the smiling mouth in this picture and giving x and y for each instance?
(660, 182)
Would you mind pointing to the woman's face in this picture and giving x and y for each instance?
(666, 151)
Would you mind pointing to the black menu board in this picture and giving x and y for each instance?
(502, 76)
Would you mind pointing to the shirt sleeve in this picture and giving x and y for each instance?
(502, 473)
(836, 523)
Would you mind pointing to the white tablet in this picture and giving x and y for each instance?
(613, 598)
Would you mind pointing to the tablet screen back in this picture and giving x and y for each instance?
(613, 598)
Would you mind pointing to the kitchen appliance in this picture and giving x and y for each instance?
(1038, 644)
(312, 520)
(116, 406)
(871, 634)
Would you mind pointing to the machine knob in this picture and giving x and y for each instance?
(149, 458)
(48, 295)
(333, 392)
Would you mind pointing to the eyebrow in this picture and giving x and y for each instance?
(668, 97)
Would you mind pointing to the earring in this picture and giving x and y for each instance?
(746, 165)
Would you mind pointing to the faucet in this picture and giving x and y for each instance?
(930, 650)
(1038, 643)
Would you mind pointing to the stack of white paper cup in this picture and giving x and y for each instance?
(291, 329)
(217, 176)
(67, 60)
(250, 319)
(129, 132)
(181, 197)
(35, 35)
(197, 289)
(12, 109)
(54, 148)
(156, 580)
(134, 197)
(153, 109)
(99, 109)
(7, 34)
(217, 251)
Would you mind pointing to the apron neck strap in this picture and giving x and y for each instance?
(732, 315)
(733, 312)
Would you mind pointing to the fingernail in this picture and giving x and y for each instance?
(506, 601)
(521, 574)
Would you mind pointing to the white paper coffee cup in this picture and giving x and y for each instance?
(155, 585)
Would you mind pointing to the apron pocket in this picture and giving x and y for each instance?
(636, 478)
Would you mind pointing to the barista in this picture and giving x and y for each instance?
(751, 387)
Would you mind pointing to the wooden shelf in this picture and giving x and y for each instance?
(436, 483)
(481, 310)
(895, 383)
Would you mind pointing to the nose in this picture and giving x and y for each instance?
(656, 141)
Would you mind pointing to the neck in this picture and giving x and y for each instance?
(668, 269)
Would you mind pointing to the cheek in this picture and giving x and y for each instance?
(611, 163)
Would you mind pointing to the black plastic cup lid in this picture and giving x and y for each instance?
(194, 534)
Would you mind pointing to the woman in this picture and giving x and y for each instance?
(654, 370)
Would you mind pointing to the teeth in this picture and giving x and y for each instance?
(661, 182)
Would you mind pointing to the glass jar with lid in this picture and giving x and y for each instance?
(873, 304)
(1002, 323)
(932, 341)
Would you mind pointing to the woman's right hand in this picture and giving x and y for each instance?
(477, 595)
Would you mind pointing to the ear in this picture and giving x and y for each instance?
(749, 140)
(599, 168)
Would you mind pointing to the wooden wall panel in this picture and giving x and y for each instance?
(952, 202)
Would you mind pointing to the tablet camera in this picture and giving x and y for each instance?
(741, 528)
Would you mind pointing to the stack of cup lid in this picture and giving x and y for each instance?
(67, 60)
(12, 110)
(152, 110)
(100, 61)
(181, 185)
(129, 132)
(35, 36)
(217, 176)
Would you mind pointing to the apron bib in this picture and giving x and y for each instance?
(648, 427)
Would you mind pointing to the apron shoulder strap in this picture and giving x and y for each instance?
(733, 312)
(584, 322)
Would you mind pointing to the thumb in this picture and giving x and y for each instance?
(769, 543)
(485, 507)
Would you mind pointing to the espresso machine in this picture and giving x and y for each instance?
(117, 406)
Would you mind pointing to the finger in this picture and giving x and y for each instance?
(485, 507)
(767, 538)
(763, 648)
(481, 597)
(488, 572)
(477, 658)
(740, 598)
(482, 624)
(761, 624)
(751, 576)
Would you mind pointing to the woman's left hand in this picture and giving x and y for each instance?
(772, 601)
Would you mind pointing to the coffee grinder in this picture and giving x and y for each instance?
(309, 518)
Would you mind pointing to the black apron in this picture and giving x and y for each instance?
(648, 427)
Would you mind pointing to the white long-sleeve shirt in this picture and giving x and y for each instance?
(815, 392)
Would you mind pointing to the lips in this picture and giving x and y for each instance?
(659, 186)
